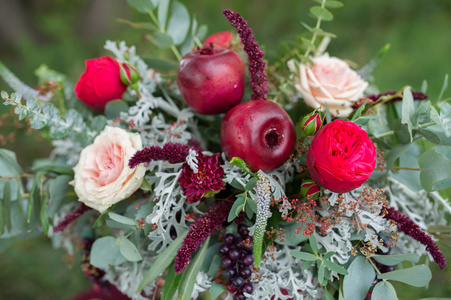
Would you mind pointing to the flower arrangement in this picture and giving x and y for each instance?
(309, 184)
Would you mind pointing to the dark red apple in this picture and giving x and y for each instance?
(211, 80)
(259, 132)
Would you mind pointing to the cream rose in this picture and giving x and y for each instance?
(329, 81)
(102, 175)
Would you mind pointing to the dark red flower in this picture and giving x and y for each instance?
(209, 177)
(101, 82)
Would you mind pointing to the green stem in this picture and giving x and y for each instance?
(315, 34)
(406, 168)
(173, 48)
(198, 42)
(391, 132)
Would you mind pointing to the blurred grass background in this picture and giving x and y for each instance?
(63, 33)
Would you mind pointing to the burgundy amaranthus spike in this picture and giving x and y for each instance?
(71, 217)
(198, 233)
(406, 225)
(258, 81)
(172, 152)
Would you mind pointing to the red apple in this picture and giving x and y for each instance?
(211, 80)
(259, 132)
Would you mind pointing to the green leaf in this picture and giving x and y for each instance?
(435, 165)
(395, 153)
(313, 243)
(322, 13)
(333, 4)
(321, 272)
(7, 205)
(439, 121)
(392, 260)
(161, 64)
(8, 163)
(178, 25)
(189, 278)
(57, 190)
(162, 262)
(408, 109)
(138, 25)
(430, 136)
(171, 284)
(236, 184)
(163, 9)
(33, 195)
(202, 32)
(384, 291)
(54, 169)
(129, 250)
(304, 255)
(252, 205)
(422, 113)
(251, 183)
(335, 267)
(187, 46)
(105, 252)
(292, 238)
(358, 112)
(214, 266)
(445, 118)
(43, 214)
(143, 6)
(444, 87)
(418, 276)
(121, 219)
(216, 289)
(360, 278)
(114, 108)
(232, 214)
(328, 116)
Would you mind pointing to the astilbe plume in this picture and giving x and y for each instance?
(258, 81)
(199, 231)
(209, 177)
(171, 152)
(406, 225)
(263, 201)
(71, 217)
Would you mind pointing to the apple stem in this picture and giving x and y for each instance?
(258, 81)
(207, 50)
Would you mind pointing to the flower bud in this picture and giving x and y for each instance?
(310, 124)
(310, 189)
(125, 76)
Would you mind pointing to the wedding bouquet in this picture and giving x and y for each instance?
(177, 181)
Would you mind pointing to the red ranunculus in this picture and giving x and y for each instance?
(341, 157)
(100, 83)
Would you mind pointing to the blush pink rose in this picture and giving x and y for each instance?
(341, 156)
(329, 81)
(102, 175)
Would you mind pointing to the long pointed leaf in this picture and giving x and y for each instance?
(189, 279)
(171, 284)
(163, 261)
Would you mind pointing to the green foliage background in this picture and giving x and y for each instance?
(418, 31)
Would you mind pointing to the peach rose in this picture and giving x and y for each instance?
(102, 176)
(329, 81)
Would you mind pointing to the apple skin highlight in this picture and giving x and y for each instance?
(259, 132)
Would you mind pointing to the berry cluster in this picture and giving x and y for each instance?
(237, 260)
(94, 274)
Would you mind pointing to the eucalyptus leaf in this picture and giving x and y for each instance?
(178, 25)
(392, 260)
(232, 214)
(422, 113)
(189, 278)
(313, 243)
(236, 184)
(105, 252)
(435, 166)
(252, 205)
(384, 290)
(202, 32)
(57, 190)
(292, 238)
(121, 219)
(114, 108)
(160, 64)
(418, 276)
(187, 46)
(55, 169)
(129, 250)
(143, 6)
(430, 136)
(335, 267)
(320, 12)
(6, 200)
(216, 289)
(251, 184)
(162, 262)
(43, 214)
(395, 153)
(163, 9)
(321, 272)
(444, 87)
(304, 255)
(8, 163)
(408, 109)
(360, 278)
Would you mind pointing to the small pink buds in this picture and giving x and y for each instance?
(310, 124)
(310, 189)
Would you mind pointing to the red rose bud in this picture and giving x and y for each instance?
(341, 156)
(101, 82)
(223, 39)
(310, 189)
(311, 123)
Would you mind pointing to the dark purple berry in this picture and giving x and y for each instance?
(227, 262)
(229, 239)
(237, 281)
(242, 230)
(247, 288)
(245, 272)
(234, 254)
(239, 296)
(229, 273)
(224, 249)
(230, 288)
(248, 260)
